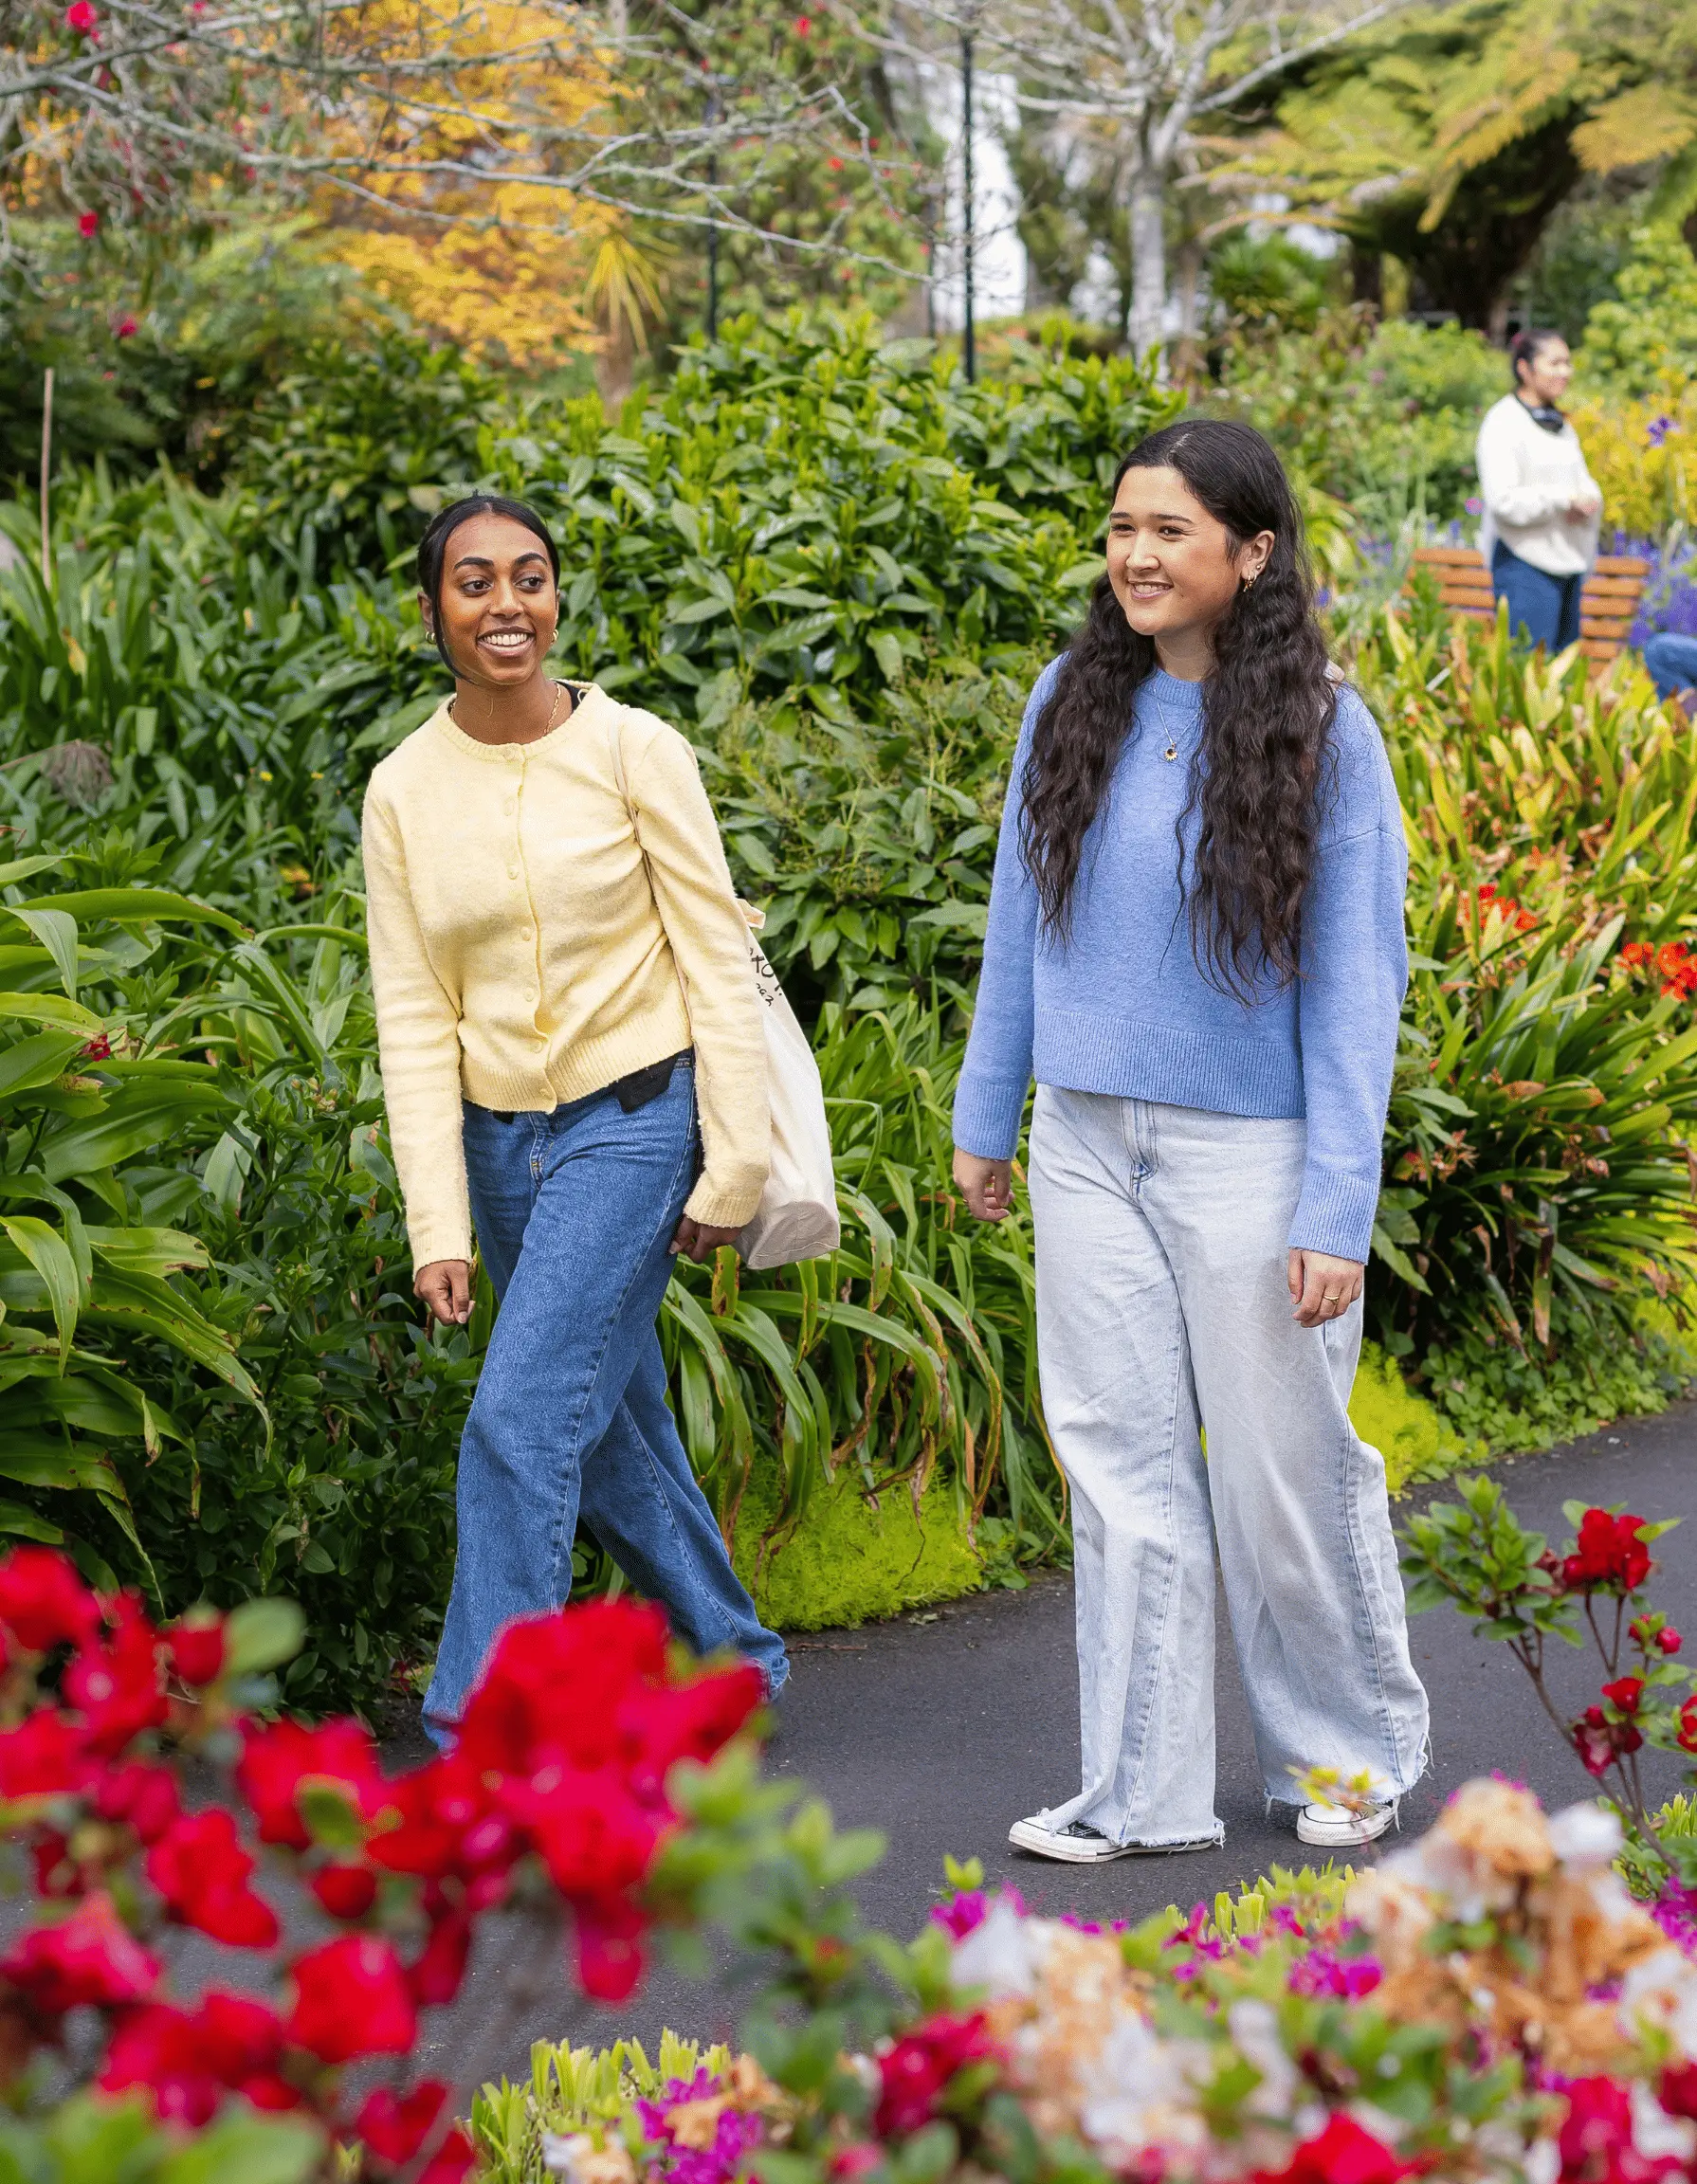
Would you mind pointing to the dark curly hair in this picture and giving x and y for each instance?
(432, 548)
(1267, 716)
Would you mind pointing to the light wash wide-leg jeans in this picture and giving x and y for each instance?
(1162, 1314)
(574, 1210)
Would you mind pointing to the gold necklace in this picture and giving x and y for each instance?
(559, 691)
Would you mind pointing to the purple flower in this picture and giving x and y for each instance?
(1475, 507)
(1322, 1972)
(1675, 1913)
(1659, 430)
(970, 1908)
(735, 2135)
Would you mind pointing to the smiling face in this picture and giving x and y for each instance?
(1544, 378)
(1175, 568)
(499, 606)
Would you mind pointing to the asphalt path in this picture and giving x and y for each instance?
(942, 1728)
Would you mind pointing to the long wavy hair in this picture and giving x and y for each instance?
(1266, 717)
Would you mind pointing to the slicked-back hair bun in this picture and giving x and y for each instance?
(432, 548)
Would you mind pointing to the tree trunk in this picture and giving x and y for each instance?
(1149, 262)
(1187, 349)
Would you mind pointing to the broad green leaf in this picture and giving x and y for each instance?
(262, 1634)
(141, 1114)
(135, 906)
(149, 1250)
(23, 1523)
(57, 932)
(50, 1009)
(50, 1255)
(37, 1059)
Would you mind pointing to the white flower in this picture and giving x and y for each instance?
(1663, 1989)
(1586, 1838)
(1256, 2029)
(1002, 1954)
(1654, 2131)
(1139, 2090)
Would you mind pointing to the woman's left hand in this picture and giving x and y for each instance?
(1321, 1288)
(696, 1241)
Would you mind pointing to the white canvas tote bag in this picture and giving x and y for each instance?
(798, 1213)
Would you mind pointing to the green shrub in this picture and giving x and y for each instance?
(859, 1556)
(1641, 340)
(1384, 417)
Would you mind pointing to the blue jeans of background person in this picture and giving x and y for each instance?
(1671, 663)
(574, 1210)
(1161, 1314)
(1545, 607)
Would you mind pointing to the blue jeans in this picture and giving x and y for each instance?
(1162, 1315)
(1671, 663)
(574, 1210)
(1543, 609)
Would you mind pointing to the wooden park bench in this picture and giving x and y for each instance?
(1607, 605)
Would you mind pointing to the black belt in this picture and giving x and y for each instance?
(630, 1092)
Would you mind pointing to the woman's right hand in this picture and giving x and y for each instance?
(446, 1286)
(988, 1185)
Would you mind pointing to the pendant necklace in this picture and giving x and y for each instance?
(1164, 726)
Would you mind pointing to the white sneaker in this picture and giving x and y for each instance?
(1079, 1844)
(1336, 1827)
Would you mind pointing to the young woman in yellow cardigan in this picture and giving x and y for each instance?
(574, 1062)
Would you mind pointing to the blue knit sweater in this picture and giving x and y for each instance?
(1122, 1007)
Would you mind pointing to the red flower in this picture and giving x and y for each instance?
(1609, 1556)
(395, 2126)
(1677, 2091)
(1624, 1693)
(86, 224)
(454, 2159)
(592, 1834)
(351, 1999)
(89, 1958)
(918, 2069)
(242, 2041)
(42, 1601)
(201, 1869)
(1636, 955)
(156, 2048)
(804, 23)
(43, 1758)
(80, 16)
(126, 326)
(196, 1649)
(1670, 1640)
(1343, 2153)
(345, 1891)
(116, 1685)
(436, 1973)
(1597, 2131)
(1686, 1736)
(277, 1762)
(609, 1958)
(552, 1686)
(230, 2043)
(100, 1048)
(140, 1796)
(430, 1817)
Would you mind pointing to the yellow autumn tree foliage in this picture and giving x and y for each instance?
(442, 102)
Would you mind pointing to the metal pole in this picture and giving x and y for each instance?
(46, 473)
(968, 355)
(713, 231)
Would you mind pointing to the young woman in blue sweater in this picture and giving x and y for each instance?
(1196, 945)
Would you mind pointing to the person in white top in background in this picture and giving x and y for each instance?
(1542, 505)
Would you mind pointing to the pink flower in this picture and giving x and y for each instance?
(80, 16)
(126, 326)
(86, 224)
